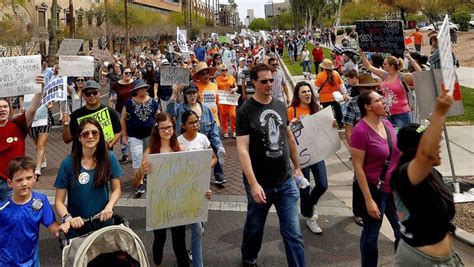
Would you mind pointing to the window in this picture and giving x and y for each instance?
(42, 18)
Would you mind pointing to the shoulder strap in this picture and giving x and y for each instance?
(324, 83)
(386, 163)
(294, 111)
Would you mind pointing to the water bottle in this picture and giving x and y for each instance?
(302, 182)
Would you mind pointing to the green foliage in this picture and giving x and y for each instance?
(416, 18)
(462, 18)
(295, 68)
(363, 10)
(260, 24)
(282, 21)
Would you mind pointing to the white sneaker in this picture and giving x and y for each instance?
(315, 213)
(313, 225)
(43, 164)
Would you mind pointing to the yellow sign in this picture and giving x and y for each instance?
(102, 116)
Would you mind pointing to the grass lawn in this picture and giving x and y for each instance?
(468, 100)
(295, 69)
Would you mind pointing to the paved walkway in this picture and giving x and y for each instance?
(465, 76)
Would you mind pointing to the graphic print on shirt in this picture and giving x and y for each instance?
(271, 121)
(142, 110)
(403, 215)
(83, 178)
(390, 98)
(209, 99)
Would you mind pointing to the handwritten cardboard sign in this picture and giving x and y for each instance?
(181, 40)
(55, 90)
(172, 75)
(17, 75)
(75, 66)
(381, 36)
(317, 127)
(446, 56)
(102, 116)
(69, 47)
(226, 98)
(176, 187)
(102, 55)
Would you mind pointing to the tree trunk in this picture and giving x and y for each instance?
(53, 36)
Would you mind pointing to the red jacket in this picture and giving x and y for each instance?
(318, 55)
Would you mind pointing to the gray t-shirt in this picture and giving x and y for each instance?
(266, 126)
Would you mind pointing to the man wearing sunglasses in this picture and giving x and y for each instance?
(264, 139)
(247, 86)
(280, 84)
(106, 116)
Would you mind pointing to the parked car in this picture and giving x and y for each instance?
(471, 24)
(431, 27)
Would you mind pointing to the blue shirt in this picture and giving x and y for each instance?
(200, 53)
(84, 198)
(141, 117)
(19, 228)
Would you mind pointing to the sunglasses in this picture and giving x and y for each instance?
(127, 73)
(249, 61)
(94, 133)
(224, 70)
(89, 94)
(266, 81)
(274, 65)
(80, 80)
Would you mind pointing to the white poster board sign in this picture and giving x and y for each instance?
(181, 40)
(75, 66)
(41, 114)
(55, 90)
(246, 43)
(446, 56)
(227, 98)
(318, 139)
(102, 55)
(18, 75)
(176, 187)
(172, 75)
(69, 47)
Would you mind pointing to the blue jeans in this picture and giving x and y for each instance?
(123, 147)
(285, 198)
(400, 120)
(306, 66)
(218, 171)
(5, 190)
(308, 200)
(370, 231)
(196, 243)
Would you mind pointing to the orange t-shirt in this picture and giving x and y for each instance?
(299, 111)
(226, 82)
(418, 36)
(325, 94)
(209, 97)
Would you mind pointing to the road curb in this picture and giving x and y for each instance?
(464, 237)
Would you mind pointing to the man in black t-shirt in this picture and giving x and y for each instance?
(106, 116)
(264, 144)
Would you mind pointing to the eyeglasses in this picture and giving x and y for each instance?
(166, 129)
(80, 80)
(89, 94)
(94, 133)
(193, 123)
(249, 61)
(127, 73)
(224, 70)
(266, 81)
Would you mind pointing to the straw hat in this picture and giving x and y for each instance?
(327, 64)
(203, 66)
(366, 80)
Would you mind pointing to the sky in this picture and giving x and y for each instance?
(256, 5)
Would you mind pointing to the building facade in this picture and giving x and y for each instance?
(272, 9)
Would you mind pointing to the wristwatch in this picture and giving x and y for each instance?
(65, 217)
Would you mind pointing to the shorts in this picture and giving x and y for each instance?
(35, 131)
(409, 256)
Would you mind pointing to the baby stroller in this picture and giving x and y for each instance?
(114, 245)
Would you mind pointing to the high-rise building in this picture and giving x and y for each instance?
(272, 9)
(250, 16)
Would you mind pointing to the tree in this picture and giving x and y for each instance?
(405, 6)
(52, 32)
(260, 24)
(14, 34)
(363, 11)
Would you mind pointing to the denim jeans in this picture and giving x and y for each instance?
(5, 190)
(306, 66)
(308, 200)
(370, 231)
(218, 170)
(123, 148)
(137, 147)
(196, 243)
(285, 198)
(400, 120)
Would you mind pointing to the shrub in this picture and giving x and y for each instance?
(462, 18)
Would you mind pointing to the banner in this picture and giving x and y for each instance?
(381, 36)
(173, 75)
(318, 139)
(102, 116)
(223, 39)
(102, 55)
(227, 98)
(75, 66)
(176, 187)
(69, 47)
(446, 56)
(18, 74)
(181, 40)
(246, 43)
(55, 90)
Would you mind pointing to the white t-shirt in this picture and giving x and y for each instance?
(199, 143)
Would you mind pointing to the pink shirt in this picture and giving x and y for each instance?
(395, 97)
(376, 152)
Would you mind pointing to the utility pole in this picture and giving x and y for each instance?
(72, 23)
(127, 39)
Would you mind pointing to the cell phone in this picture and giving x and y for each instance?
(296, 126)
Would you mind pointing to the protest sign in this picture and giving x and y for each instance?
(75, 66)
(425, 87)
(227, 98)
(246, 43)
(446, 56)
(41, 115)
(261, 55)
(171, 75)
(102, 116)
(69, 47)
(264, 35)
(223, 39)
(176, 187)
(18, 74)
(381, 36)
(214, 35)
(55, 90)
(181, 40)
(102, 55)
(318, 139)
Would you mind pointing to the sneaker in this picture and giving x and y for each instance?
(190, 255)
(38, 174)
(140, 191)
(226, 135)
(44, 164)
(220, 182)
(358, 221)
(246, 264)
(315, 213)
(234, 135)
(313, 225)
(124, 159)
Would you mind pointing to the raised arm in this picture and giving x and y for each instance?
(367, 65)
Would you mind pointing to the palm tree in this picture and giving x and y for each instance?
(52, 32)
